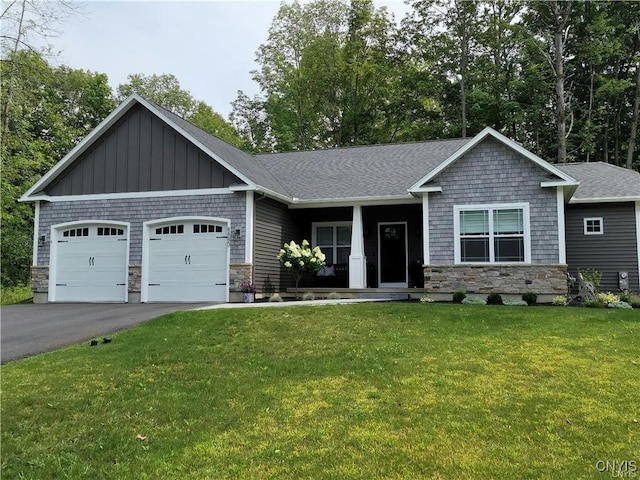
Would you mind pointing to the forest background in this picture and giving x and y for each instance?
(560, 77)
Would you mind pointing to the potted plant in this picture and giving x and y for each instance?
(249, 291)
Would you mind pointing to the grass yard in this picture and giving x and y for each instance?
(369, 391)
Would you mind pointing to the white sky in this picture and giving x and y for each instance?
(208, 45)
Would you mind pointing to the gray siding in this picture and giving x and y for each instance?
(275, 225)
(138, 210)
(493, 173)
(140, 153)
(612, 252)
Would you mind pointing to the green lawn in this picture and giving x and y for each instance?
(366, 391)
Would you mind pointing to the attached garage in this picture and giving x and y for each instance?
(186, 260)
(89, 262)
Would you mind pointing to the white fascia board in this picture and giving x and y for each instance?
(114, 196)
(102, 127)
(488, 131)
(574, 200)
(559, 183)
(349, 202)
(421, 190)
(264, 191)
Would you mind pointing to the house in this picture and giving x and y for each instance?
(150, 208)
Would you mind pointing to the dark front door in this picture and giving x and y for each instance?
(392, 254)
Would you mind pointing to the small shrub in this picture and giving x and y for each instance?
(559, 301)
(515, 302)
(458, 297)
(591, 275)
(625, 297)
(593, 304)
(308, 296)
(333, 296)
(530, 297)
(426, 299)
(619, 305)
(275, 298)
(607, 297)
(494, 299)
(473, 301)
(634, 301)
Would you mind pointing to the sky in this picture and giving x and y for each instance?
(208, 45)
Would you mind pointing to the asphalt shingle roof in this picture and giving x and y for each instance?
(599, 180)
(357, 172)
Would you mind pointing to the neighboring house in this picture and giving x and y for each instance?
(149, 208)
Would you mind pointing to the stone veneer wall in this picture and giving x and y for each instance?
(542, 279)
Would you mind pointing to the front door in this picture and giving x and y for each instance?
(392, 254)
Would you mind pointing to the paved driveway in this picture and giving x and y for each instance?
(30, 329)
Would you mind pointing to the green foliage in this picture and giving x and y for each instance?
(594, 303)
(591, 275)
(494, 299)
(619, 304)
(308, 296)
(51, 109)
(333, 296)
(607, 297)
(211, 390)
(530, 297)
(559, 301)
(458, 297)
(515, 302)
(472, 300)
(16, 294)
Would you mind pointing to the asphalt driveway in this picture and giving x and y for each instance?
(29, 329)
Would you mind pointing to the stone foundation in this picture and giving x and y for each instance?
(511, 279)
(134, 283)
(238, 273)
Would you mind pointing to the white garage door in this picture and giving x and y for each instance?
(91, 264)
(188, 262)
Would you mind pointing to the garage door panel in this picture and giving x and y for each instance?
(91, 267)
(188, 262)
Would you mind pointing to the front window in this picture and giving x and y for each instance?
(334, 239)
(491, 234)
(593, 226)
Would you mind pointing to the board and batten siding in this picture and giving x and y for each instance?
(140, 153)
(275, 225)
(136, 211)
(492, 173)
(616, 250)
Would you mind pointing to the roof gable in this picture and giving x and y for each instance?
(602, 182)
(559, 178)
(113, 121)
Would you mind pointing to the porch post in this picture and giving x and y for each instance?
(357, 260)
(425, 229)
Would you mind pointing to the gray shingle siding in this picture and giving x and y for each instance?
(138, 210)
(614, 251)
(493, 173)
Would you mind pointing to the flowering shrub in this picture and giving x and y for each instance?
(559, 301)
(248, 287)
(300, 259)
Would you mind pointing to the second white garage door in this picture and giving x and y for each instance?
(187, 262)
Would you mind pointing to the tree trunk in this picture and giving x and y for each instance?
(9, 91)
(464, 60)
(634, 123)
(560, 19)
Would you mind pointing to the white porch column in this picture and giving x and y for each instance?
(426, 256)
(357, 260)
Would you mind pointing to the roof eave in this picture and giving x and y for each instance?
(350, 201)
(632, 198)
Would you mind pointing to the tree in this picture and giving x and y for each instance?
(50, 111)
(165, 90)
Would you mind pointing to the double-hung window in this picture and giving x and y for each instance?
(492, 233)
(334, 239)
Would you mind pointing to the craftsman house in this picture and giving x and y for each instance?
(150, 208)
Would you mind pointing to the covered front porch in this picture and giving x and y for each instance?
(370, 249)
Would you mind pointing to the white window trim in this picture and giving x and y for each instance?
(491, 206)
(590, 219)
(314, 237)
